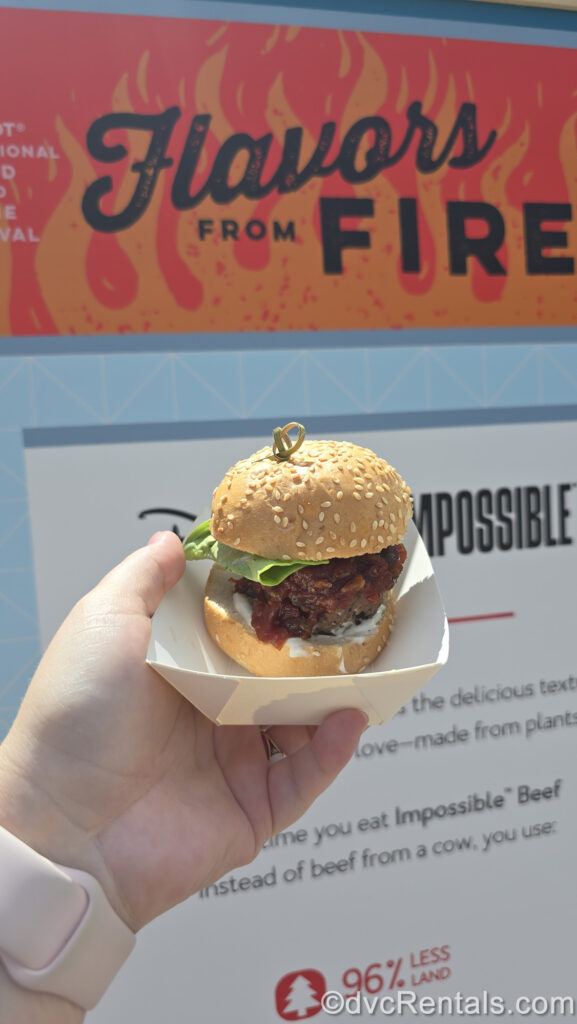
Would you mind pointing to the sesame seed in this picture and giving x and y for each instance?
(353, 527)
(305, 525)
(369, 494)
(285, 521)
(337, 517)
(301, 510)
(381, 522)
(316, 654)
(237, 540)
(392, 516)
(379, 488)
(380, 539)
(230, 516)
(321, 517)
(356, 495)
(277, 508)
(353, 544)
(318, 556)
(397, 498)
(332, 535)
(319, 540)
(359, 487)
(300, 544)
(339, 495)
(287, 558)
(330, 549)
(387, 488)
(325, 504)
(277, 519)
(363, 543)
(375, 524)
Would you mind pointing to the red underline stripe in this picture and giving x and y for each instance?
(483, 618)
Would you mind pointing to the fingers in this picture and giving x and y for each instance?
(302, 776)
(290, 738)
(140, 582)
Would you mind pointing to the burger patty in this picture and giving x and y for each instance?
(323, 598)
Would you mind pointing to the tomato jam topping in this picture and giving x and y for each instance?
(323, 598)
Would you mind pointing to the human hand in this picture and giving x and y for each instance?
(108, 769)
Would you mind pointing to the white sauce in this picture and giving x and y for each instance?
(243, 607)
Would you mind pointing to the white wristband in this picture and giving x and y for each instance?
(58, 932)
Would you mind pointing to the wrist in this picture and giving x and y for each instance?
(30, 814)
(18, 1004)
(58, 932)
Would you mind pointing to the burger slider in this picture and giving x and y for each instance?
(307, 541)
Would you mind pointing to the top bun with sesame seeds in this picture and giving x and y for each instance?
(328, 499)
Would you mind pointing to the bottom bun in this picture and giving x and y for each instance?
(227, 617)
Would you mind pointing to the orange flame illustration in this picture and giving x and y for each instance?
(198, 269)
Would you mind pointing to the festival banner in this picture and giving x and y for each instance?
(175, 175)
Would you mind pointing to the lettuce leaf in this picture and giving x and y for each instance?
(201, 544)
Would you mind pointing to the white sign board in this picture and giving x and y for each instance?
(440, 861)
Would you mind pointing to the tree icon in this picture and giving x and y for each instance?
(301, 999)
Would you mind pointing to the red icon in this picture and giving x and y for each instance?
(298, 995)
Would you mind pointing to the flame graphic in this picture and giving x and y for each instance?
(160, 276)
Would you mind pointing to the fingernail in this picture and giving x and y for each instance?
(157, 537)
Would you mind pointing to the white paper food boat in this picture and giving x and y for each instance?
(182, 652)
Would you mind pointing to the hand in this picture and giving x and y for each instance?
(108, 769)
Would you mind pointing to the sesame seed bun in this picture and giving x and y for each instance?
(229, 626)
(330, 499)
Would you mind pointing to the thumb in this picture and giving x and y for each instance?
(140, 582)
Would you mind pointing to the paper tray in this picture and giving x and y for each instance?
(182, 652)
